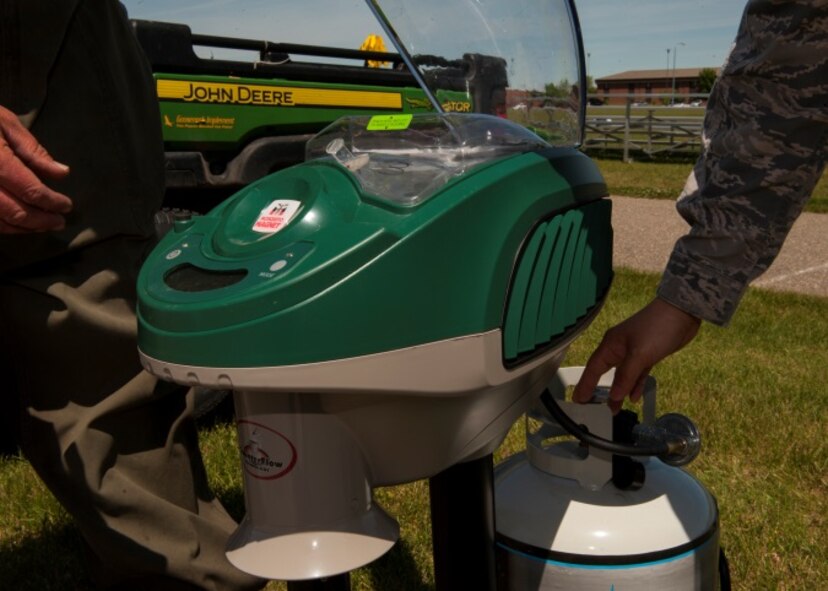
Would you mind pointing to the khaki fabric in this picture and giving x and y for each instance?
(117, 448)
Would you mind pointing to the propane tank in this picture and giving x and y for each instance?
(574, 517)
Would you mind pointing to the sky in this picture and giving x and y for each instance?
(635, 34)
(618, 35)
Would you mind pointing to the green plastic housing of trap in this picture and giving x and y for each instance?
(519, 242)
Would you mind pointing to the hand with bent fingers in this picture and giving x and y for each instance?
(26, 204)
(633, 347)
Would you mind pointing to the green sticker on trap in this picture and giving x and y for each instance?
(389, 122)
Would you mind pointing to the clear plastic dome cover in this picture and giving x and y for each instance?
(519, 59)
(405, 159)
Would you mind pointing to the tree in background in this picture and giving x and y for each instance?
(560, 89)
(564, 87)
(707, 76)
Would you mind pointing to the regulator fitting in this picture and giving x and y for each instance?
(673, 438)
(677, 432)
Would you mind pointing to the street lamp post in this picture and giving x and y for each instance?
(675, 51)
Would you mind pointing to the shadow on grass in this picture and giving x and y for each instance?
(397, 570)
(233, 500)
(52, 561)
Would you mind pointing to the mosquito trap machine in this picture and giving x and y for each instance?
(385, 311)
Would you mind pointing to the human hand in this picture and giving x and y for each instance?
(26, 204)
(633, 347)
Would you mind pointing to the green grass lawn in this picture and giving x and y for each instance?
(756, 390)
(664, 180)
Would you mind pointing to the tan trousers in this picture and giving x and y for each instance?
(117, 448)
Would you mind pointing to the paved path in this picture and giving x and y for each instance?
(646, 229)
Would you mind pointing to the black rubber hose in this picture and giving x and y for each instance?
(584, 436)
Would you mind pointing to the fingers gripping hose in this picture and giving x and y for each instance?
(673, 438)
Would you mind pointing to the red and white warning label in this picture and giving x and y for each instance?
(276, 216)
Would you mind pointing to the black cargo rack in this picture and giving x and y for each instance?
(170, 48)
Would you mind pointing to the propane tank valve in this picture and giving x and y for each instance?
(673, 438)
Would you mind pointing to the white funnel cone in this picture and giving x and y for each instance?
(309, 508)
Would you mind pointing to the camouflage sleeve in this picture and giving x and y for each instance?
(764, 149)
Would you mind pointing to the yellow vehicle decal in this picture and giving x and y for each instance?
(457, 107)
(274, 96)
(200, 122)
(418, 103)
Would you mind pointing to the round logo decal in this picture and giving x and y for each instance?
(265, 453)
(276, 215)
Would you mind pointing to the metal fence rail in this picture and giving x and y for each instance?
(644, 128)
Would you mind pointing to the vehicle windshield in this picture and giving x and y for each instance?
(519, 59)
